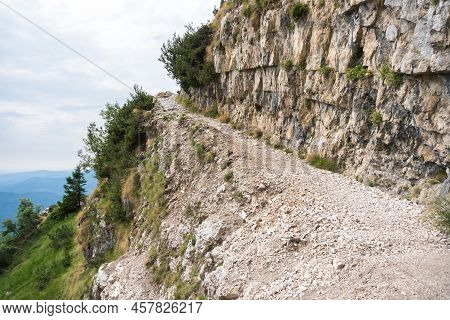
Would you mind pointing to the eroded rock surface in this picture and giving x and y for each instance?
(311, 105)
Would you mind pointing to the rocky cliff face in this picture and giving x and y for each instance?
(297, 81)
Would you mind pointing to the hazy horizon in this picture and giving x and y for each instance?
(48, 98)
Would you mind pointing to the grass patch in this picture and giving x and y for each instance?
(323, 163)
(212, 112)
(187, 103)
(357, 72)
(182, 119)
(224, 118)
(237, 126)
(39, 272)
(326, 71)
(389, 76)
(153, 188)
(247, 11)
(298, 11)
(255, 133)
(441, 211)
(229, 176)
(440, 176)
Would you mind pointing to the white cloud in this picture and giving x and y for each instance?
(48, 95)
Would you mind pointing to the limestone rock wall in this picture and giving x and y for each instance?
(313, 106)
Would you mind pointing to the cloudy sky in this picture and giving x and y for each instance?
(48, 95)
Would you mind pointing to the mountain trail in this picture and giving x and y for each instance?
(285, 230)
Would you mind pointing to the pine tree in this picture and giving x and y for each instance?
(74, 193)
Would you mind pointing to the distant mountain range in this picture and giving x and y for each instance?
(43, 188)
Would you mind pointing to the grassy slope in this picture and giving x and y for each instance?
(66, 283)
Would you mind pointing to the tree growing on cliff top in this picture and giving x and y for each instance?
(184, 57)
(110, 150)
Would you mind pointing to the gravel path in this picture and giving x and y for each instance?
(314, 234)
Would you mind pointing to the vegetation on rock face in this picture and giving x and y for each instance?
(357, 72)
(325, 70)
(301, 64)
(376, 118)
(390, 77)
(111, 150)
(298, 11)
(323, 163)
(288, 65)
(184, 58)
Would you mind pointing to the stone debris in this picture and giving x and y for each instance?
(319, 235)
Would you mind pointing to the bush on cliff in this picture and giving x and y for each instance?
(298, 11)
(111, 150)
(184, 57)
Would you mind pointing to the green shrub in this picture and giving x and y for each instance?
(111, 150)
(182, 118)
(62, 237)
(298, 11)
(301, 65)
(388, 76)
(113, 200)
(375, 118)
(7, 252)
(255, 133)
(43, 275)
(67, 260)
(237, 126)
(209, 157)
(247, 11)
(321, 3)
(200, 150)
(325, 70)
(441, 210)
(288, 65)
(184, 57)
(278, 146)
(236, 3)
(434, 2)
(262, 4)
(323, 163)
(357, 72)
